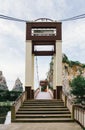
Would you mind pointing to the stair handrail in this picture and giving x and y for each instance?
(65, 96)
(79, 114)
(17, 104)
(77, 110)
(50, 92)
(68, 102)
(36, 92)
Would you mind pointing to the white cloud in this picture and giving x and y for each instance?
(12, 51)
(74, 39)
(12, 68)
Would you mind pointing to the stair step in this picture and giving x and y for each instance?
(43, 104)
(26, 106)
(44, 116)
(43, 120)
(44, 100)
(43, 109)
(43, 112)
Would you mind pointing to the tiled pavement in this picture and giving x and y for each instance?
(41, 126)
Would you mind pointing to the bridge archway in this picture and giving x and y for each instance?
(43, 32)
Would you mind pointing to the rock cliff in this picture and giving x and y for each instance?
(70, 69)
(3, 84)
(18, 85)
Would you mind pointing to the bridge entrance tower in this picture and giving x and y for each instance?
(43, 32)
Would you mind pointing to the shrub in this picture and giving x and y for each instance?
(83, 66)
(72, 63)
(78, 88)
(65, 59)
(8, 95)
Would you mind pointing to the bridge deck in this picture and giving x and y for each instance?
(43, 95)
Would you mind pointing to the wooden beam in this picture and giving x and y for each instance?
(43, 53)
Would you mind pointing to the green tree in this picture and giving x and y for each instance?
(78, 88)
(6, 95)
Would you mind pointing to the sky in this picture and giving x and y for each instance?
(12, 34)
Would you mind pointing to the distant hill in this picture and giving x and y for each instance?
(3, 84)
(18, 86)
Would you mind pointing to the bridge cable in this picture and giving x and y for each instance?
(82, 16)
(11, 18)
(37, 70)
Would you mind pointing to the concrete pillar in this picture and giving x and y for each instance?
(57, 71)
(32, 76)
(28, 69)
(54, 76)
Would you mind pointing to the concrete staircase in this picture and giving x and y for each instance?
(43, 111)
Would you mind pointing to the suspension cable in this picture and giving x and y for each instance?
(81, 16)
(12, 18)
(37, 70)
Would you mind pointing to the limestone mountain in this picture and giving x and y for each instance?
(18, 85)
(3, 84)
(70, 69)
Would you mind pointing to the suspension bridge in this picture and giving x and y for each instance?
(52, 105)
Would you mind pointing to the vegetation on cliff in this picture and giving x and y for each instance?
(70, 71)
(71, 63)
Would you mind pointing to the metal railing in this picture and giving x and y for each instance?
(17, 104)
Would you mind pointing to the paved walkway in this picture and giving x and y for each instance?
(43, 95)
(41, 126)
